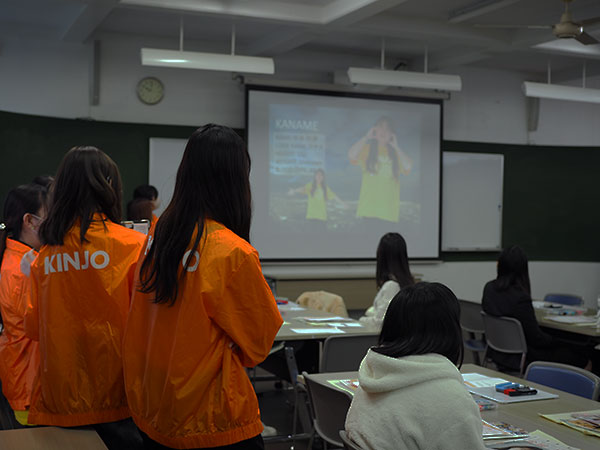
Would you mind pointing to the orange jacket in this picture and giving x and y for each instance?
(19, 355)
(184, 364)
(77, 310)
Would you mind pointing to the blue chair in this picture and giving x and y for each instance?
(564, 299)
(564, 378)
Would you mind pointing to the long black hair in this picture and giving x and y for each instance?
(212, 183)
(323, 183)
(21, 200)
(87, 182)
(392, 261)
(513, 270)
(421, 319)
(371, 163)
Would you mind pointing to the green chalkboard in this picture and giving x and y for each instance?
(34, 145)
(551, 200)
(551, 194)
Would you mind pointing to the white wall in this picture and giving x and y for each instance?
(466, 279)
(52, 78)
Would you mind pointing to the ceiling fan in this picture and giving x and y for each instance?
(567, 28)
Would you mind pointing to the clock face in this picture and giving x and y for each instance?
(150, 90)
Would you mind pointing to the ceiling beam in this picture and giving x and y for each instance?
(337, 15)
(477, 9)
(92, 15)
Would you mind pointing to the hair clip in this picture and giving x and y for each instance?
(2, 226)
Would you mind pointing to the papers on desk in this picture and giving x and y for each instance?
(502, 431)
(575, 320)
(349, 386)
(338, 322)
(317, 330)
(587, 422)
(485, 387)
(538, 439)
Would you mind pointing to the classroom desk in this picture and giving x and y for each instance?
(543, 320)
(292, 314)
(50, 438)
(525, 414)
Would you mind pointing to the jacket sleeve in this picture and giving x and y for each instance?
(248, 313)
(526, 315)
(376, 313)
(31, 319)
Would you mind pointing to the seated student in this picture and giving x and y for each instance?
(392, 274)
(139, 209)
(411, 394)
(146, 192)
(81, 285)
(202, 310)
(510, 295)
(24, 210)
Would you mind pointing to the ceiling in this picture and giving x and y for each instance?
(281, 28)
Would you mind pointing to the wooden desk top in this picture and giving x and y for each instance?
(543, 320)
(50, 438)
(292, 314)
(525, 414)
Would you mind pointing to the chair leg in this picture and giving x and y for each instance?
(522, 366)
(476, 358)
(485, 358)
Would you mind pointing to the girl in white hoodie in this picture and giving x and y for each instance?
(392, 274)
(411, 394)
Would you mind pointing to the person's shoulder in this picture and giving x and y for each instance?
(124, 236)
(223, 242)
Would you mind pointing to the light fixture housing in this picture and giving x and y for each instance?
(418, 80)
(558, 92)
(207, 61)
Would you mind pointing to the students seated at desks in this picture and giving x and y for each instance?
(24, 210)
(202, 310)
(80, 292)
(140, 193)
(411, 394)
(392, 274)
(510, 295)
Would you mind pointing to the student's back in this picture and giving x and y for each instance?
(411, 394)
(80, 290)
(411, 403)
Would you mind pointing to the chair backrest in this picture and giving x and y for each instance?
(504, 334)
(323, 301)
(564, 299)
(470, 317)
(330, 407)
(348, 444)
(565, 378)
(344, 353)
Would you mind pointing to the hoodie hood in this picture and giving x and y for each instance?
(379, 373)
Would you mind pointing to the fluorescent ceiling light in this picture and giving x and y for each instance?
(207, 61)
(558, 92)
(418, 80)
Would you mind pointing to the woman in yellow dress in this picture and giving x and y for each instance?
(382, 161)
(318, 194)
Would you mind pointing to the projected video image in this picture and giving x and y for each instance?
(334, 168)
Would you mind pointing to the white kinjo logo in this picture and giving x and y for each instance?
(61, 261)
(185, 258)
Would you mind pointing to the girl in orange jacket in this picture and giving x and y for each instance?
(81, 284)
(19, 356)
(203, 310)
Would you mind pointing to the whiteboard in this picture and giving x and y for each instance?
(472, 201)
(165, 156)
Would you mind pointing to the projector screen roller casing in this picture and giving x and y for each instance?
(333, 172)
